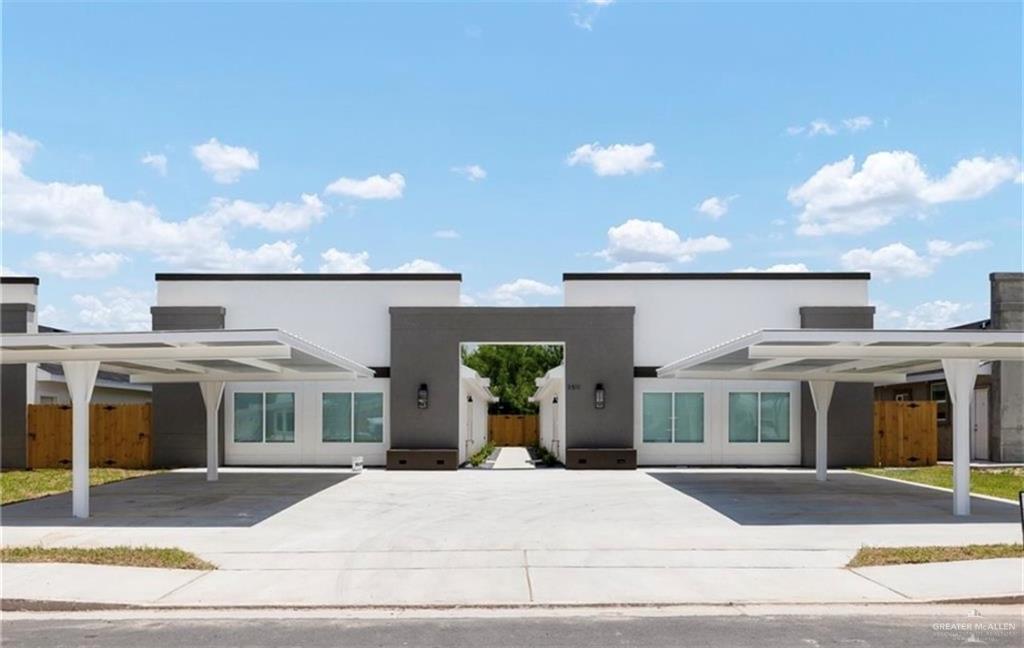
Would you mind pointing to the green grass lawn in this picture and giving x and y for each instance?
(871, 556)
(168, 558)
(997, 482)
(20, 485)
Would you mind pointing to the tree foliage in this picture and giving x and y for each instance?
(513, 368)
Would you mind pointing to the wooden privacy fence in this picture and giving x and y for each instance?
(513, 429)
(906, 433)
(120, 436)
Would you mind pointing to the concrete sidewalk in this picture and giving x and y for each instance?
(511, 582)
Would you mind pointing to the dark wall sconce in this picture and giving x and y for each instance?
(469, 398)
(599, 396)
(554, 400)
(422, 397)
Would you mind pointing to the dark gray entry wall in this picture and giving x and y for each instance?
(851, 416)
(425, 346)
(179, 415)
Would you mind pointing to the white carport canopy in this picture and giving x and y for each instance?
(823, 357)
(207, 357)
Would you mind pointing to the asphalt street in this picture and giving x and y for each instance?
(573, 632)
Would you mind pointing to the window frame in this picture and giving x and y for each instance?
(759, 441)
(672, 440)
(352, 417)
(263, 418)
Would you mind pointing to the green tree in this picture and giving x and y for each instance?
(513, 368)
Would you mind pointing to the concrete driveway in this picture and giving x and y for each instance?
(283, 536)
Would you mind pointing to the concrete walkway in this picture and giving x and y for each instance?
(512, 581)
(513, 458)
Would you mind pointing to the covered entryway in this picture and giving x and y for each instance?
(210, 358)
(823, 357)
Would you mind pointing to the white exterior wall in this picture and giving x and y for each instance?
(348, 317)
(551, 416)
(472, 421)
(716, 448)
(309, 448)
(678, 317)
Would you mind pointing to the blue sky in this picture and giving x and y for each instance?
(511, 142)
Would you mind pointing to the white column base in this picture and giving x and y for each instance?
(81, 378)
(960, 378)
(212, 392)
(821, 394)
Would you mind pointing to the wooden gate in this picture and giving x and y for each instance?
(513, 429)
(119, 436)
(906, 433)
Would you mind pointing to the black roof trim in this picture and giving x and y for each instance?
(699, 276)
(19, 280)
(312, 276)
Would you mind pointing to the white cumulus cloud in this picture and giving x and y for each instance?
(471, 172)
(339, 261)
(893, 260)
(335, 260)
(617, 159)
(651, 241)
(375, 187)
(157, 161)
(778, 267)
(940, 248)
(280, 217)
(225, 163)
(932, 315)
(118, 309)
(715, 206)
(446, 234)
(85, 215)
(516, 293)
(838, 198)
(79, 265)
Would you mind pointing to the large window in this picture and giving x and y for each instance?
(759, 417)
(264, 417)
(353, 418)
(677, 417)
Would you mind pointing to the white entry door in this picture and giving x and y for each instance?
(979, 425)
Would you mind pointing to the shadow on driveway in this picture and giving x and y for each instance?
(178, 499)
(781, 498)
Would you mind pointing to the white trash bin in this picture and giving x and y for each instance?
(357, 464)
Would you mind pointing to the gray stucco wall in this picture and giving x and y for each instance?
(179, 416)
(851, 416)
(425, 345)
(1006, 398)
(13, 392)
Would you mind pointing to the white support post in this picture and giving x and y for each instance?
(81, 378)
(821, 394)
(960, 378)
(212, 392)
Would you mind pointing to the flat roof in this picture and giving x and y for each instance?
(19, 280)
(704, 276)
(227, 355)
(301, 276)
(843, 355)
